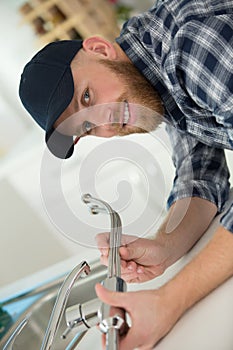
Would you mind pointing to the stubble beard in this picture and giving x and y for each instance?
(139, 92)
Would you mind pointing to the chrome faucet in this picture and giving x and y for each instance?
(111, 320)
(94, 312)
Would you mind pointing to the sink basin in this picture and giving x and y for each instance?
(32, 335)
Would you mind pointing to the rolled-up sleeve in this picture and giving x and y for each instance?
(227, 219)
(201, 171)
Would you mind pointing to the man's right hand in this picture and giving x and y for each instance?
(152, 313)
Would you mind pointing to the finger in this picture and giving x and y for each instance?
(129, 252)
(104, 251)
(104, 260)
(134, 278)
(118, 299)
(129, 341)
(131, 279)
(130, 267)
(102, 240)
(128, 277)
(103, 341)
(131, 272)
(125, 252)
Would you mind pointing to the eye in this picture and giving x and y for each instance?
(86, 97)
(87, 126)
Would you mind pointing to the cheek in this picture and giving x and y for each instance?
(110, 92)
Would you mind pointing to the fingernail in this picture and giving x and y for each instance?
(130, 267)
(104, 252)
(139, 270)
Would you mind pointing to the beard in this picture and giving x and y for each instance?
(141, 94)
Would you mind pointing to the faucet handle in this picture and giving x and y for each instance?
(82, 316)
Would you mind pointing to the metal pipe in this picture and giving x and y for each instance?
(75, 341)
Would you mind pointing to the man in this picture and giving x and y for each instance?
(176, 60)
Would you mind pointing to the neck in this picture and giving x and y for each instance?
(120, 53)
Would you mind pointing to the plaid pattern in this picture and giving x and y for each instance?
(185, 49)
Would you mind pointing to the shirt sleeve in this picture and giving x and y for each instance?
(203, 57)
(201, 171)
(227, 219)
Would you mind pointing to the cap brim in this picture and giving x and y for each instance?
(61, 146)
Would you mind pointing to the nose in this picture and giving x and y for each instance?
(107, 119)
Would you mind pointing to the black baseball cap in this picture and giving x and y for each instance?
(46, 89)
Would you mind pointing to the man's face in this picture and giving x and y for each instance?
(110, 98)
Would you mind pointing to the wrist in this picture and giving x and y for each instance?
(176, 298)
(173, 303)
(166, 244)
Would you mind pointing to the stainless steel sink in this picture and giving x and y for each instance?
(39, 312)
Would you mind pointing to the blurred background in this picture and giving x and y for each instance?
(29, 239)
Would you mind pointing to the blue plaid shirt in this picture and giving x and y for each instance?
(185, 49)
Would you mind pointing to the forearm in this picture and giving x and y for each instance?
(210, 268)
(185, 223)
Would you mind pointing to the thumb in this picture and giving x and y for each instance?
(128, 253)
(119, 299)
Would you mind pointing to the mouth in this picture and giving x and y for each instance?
(126, 115)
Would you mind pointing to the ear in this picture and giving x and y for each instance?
(99, 46)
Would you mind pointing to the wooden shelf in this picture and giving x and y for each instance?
(70, 19)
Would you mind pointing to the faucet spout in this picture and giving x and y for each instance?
(61, 303)
(99, 206)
